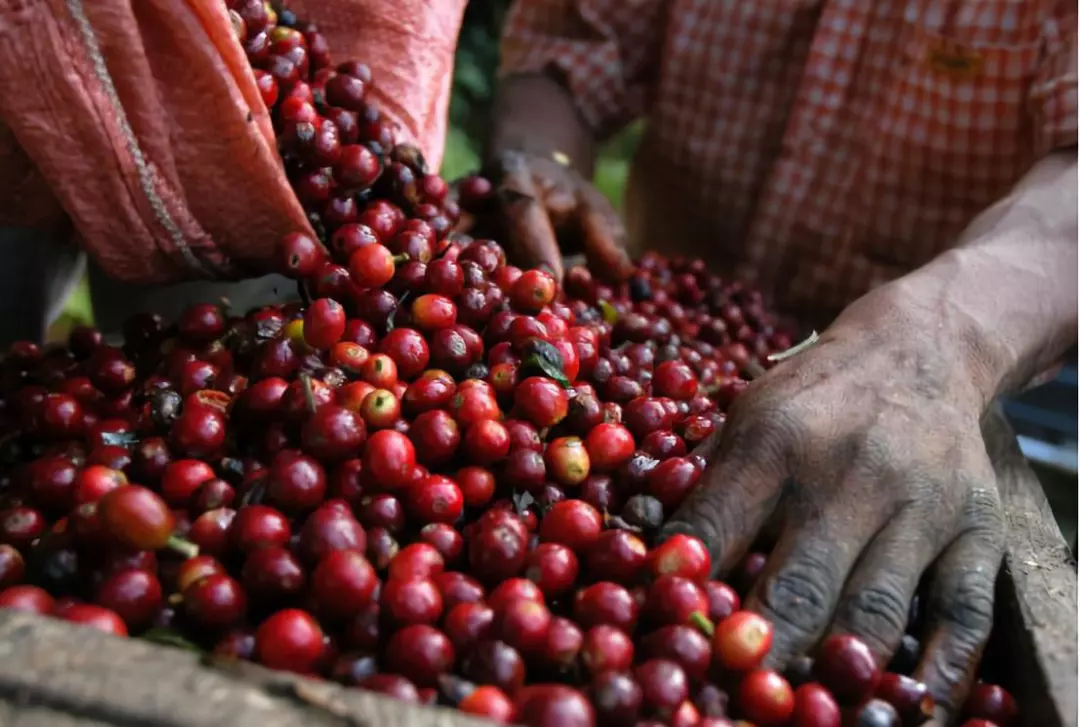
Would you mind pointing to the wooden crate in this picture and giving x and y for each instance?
(1035, 629)
(53, 674)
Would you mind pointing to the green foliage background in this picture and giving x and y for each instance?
(473, 88)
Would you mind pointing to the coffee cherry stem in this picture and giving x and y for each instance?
(184, 547)
(309, 395)
(796, 349)
(401, 258)
(702, 623)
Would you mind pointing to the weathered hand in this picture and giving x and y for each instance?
(869, 443)
(546, 210)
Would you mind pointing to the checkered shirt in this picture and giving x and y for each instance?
(821, 147)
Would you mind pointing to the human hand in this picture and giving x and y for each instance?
(545, 210)
(869, 444)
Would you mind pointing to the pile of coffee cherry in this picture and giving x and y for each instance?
(436, 476)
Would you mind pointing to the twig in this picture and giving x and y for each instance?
(309, 394)
(796, 349)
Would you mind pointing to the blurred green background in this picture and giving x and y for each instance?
(473, 88)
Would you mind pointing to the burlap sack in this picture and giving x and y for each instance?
(140, 120)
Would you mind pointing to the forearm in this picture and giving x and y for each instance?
(534, 113)
(1006, 294)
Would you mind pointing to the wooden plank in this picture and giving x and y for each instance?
(53, 674)
(1037, 590)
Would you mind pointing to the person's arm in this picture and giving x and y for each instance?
(870, 441)
(572, 73)
(534, 113)
(1008, 290)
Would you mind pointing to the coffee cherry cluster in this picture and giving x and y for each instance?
(438, 477)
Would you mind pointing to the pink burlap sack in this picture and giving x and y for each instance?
(141, 121)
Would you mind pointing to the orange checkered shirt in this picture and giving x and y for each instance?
(821, 147)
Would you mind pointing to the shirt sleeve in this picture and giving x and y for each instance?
(606, 52)
(1053, 94)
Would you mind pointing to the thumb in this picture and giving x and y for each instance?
(530, 236)
(605, 243)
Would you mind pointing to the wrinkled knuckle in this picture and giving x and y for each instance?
(969, 608)
(516, 200)
(800, 426)
(952, 665)
(799, 595)
(770, 431)
(983, 511)
(949, 674)
(880, 611)
(745, 407)
(707, 515)
(877, 450)
(511, 160)
(702, 515)
(739, 433)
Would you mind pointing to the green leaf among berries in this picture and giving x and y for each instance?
(607, 310)
(543, 359)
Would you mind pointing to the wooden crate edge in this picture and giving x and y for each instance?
(1036, 610)
(54, 674)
